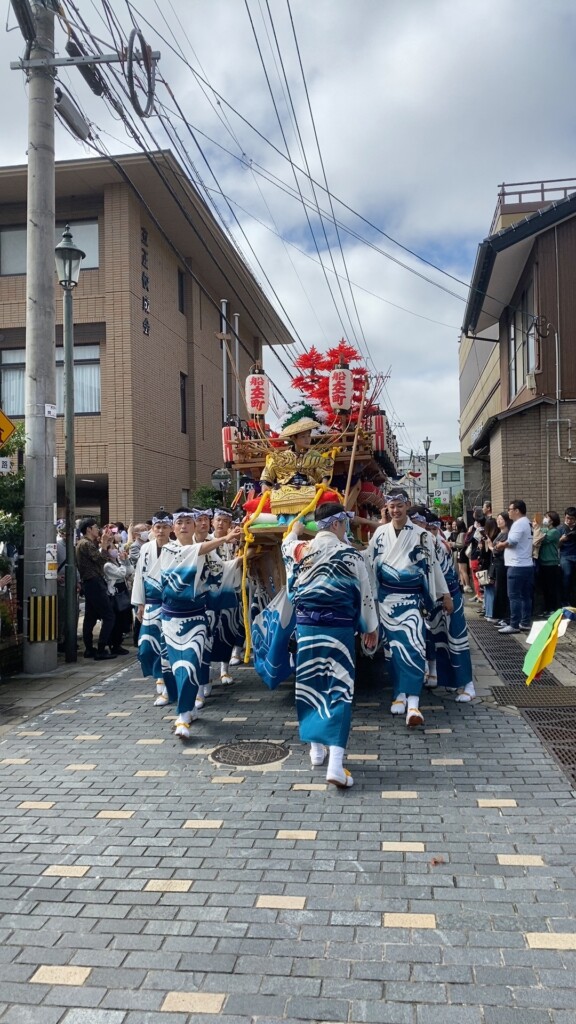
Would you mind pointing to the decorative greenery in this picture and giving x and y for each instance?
(204, 496)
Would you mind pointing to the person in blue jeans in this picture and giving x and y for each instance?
(520, 568)
(567, 550)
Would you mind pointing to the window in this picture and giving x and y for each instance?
(86, 380)
(521, 342)
(181, 293)
(183, 410)
(13, 245)
(529, 328)
(450, 475)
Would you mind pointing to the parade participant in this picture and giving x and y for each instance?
(202, 524)
(90, 561)
(230, 629)
(329, 586)
(448, 663)
(193, 584)
(409, 581)
(147, 596)
(291, 473)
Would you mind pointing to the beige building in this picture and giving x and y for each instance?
(518, 352)
(149, 377)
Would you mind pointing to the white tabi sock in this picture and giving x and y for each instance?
(413, 703)
(224, 668)
(335, 761)
(317, 753)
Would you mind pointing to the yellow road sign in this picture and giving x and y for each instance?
(7, 428)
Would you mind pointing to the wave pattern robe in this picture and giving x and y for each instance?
(195, 587)
(408, 582)
(448, 634)
(330, 589)
(147, 590)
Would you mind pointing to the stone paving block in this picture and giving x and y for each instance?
(30, 1014)
(193, 1002)
(89, 1016)
(58, 975)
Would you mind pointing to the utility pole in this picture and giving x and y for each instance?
(40, 653)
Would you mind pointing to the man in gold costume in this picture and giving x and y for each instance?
(292, 473)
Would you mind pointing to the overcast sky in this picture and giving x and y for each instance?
(422, 108)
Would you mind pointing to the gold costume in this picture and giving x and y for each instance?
(283, 472)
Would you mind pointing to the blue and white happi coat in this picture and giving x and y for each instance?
(447, 641)
(331, 592)
(228, 628)
(195, 588)
(408, 580)
(147, 590)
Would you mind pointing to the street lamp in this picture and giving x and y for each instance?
(427, 442)
(68, 260)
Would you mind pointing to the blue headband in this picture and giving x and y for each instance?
(396, 497)
(167, 519)
(325, 524)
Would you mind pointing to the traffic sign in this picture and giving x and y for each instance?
(437, 501)
(7, 428)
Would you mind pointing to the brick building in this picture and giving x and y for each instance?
(148, 373)
(518, 352)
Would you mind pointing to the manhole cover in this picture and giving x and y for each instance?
(250, 754)
(535, 696)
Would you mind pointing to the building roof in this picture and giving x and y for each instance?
(482, 439)
(499, 263)
(190, 226)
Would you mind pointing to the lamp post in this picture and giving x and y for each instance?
(68, 259)
(427, 442)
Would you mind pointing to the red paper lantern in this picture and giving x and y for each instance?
(379, 431)
(257, 393)
(230, 434)
(341, 388)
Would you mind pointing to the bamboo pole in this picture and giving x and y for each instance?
(355, 444)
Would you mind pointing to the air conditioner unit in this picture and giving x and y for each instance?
(531, 381)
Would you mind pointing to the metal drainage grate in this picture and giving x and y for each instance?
(539, 717)
(535, 696)
(504, 654)
(249, 754)
(557, 732)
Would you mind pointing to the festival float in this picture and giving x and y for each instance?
(335, 444)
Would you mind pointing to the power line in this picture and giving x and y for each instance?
(274, 104)
(118, 106)
(324, 172)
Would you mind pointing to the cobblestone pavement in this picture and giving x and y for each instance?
(142, 883)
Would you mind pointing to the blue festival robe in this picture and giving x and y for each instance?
(228, 630)
(448, 642)
(331, 592)
(408, 581)
(147, 590)
(195, 588)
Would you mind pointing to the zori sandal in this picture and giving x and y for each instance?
(414, 718)
(341, 781)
